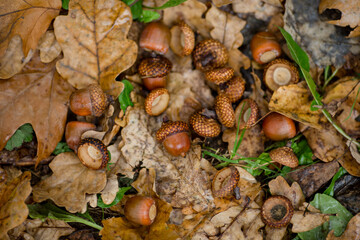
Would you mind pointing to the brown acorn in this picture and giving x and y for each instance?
(93, 153)
(203, 125)
(73, 132)
(278, 127)
(89, 101)
(264, 47)
(225, 181)
(280, 72)
(175, 137)
(284, 156)
(153, 71)
(249, 113)
(224, 111)
(141, 210)
(233, 89)
(210, 54)
(155, 37)
(219, 75)
(157, 101)
(277, 211)
(182, 39)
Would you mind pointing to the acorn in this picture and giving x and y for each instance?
(73, 132)
(249, 113)
(210, 54)
(155, 37)
(153, 71)
(203, 125)
(93, 153)
(219, 75)
(175, 137)
(278, 127)
(225, 182)
(277, 211)
(157, 101)
(284, 156)
(182, 39)
(264, 47)
(280, 72)
(224, 111)
(233, 89)
(140, 210)
(89, 101)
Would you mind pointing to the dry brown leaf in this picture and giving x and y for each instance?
(303, 222)
(49, 47)
(349, 14)
(37, 95)
(69, 183)
(93, 39)
(263, 9)
(294, 102)
(258, 95)
(37, 229)
(14, 189)
(119, 228)
(352, 230)
(28, 20)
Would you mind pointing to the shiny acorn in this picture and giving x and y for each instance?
(264, 47)
(140, 210)
(155, 37)
(73, 132)
(153, 71)
(278, 127)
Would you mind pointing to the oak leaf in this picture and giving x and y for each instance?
(23, 22)
(93, 39)
(49, 47)
(37, 95)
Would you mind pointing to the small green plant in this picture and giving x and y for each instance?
(61, 147)
(119, 195)
(22, 134)
(330, 190)
(124, 97)
(328, 78)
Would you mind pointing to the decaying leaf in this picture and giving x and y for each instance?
(279, 186)
(69, 183)
(352, 230)
(93, 39)
(23, 22)
(263, 9)
(37, 95)
(49, 47)
(14, 189)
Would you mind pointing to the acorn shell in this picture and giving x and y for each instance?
(284, 156)
(155, 67)
(224, 111)
(225, 181)
(182, 39)
(203, 126)
(273, 206)
(99, 100)
(233, 89)
(160, 97)
(219, 75)
(249, 110)
(210, 54)
(169, 128)
(88, 149)
(269, 71)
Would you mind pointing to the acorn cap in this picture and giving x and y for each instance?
(249, 113)
(93, 153)
(204, 126)
(182, 39)
(157, 101)
(224, 111)
(277, 211)
(284, 156)
(154, 67)
(280, 72)
(225, 181)
(210, 54)
(169, 128)
(99, 100)
(219, 75)
(233, 89)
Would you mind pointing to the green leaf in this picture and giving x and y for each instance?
(168, 4)
(330, 190)
(318, 233)
(22, 134)
(124, 97)
(48, 210)
(353, 105)
(61, 147)
(119, 195)
(148, 16)
(136, 10)
(303, 151)
(128, 2)
(65, 4)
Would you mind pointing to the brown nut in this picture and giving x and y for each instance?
(141, 210)
(278, 127)
(155, 37)
(280, 72)
(182, 39)
(233, 89)
(284, 156)
(277, 211)
(249, 113)
(264, 47)
(93, 153)
(225, 182)
(89, 101)
(175, 137)
(157, 101)
(154, 67)
(203, 125)
(224, 111)
(219, 75)
(155, 82)
(210, 54)
(73, 132)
